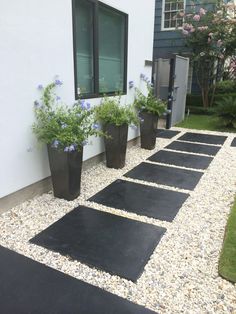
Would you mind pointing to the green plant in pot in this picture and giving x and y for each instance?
(150, 108)
(65, 130)
(115, 119)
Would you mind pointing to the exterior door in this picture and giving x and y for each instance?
(179, 90)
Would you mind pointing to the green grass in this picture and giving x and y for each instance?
(227, 263)
(203, 122)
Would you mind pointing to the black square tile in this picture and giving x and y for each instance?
(181, 159)
(233, 143)
(141, 199)
(30, 287)
(162, 133)
(194, 148)
(203, 138)
(179, 178)
(111, 243)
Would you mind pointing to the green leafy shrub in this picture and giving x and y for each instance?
(149, 103)
(110, 111)
(226, 111)
(196, 101)
(62, 127)
(200, 110)
(225, 87)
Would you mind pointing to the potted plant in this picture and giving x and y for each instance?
(150, 108)
(65, 131)
(115, 120)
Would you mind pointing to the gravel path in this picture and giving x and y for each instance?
(181, 276)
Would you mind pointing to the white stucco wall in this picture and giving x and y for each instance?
(35, 44)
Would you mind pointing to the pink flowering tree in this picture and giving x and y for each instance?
(211, 38)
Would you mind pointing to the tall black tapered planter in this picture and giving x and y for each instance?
(66, 172)
(148, 127)
(115, 145)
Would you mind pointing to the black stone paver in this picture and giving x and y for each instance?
(233, 143)
(141, 199)
(180, 178)
(162, 133)
(30, 287)
(181, 159)
(194, 148)
(203, 138)
(111, 243)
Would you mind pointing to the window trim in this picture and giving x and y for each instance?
(96, 93)
(163, 17)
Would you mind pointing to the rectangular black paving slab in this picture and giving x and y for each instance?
(180, 178)
(141, 199)
(30, 287)
(162, 133)
(181, 159)
(111, 243)
(233, 143)
(194, 148)
(203, 138)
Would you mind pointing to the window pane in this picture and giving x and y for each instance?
(180, 5)
(166, 25)
(111, 50)
(167, 7)
(84, 46)
(173, 6)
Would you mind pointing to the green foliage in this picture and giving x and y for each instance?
(227, 262)
(65, 128)
(226, 111)
(211, 37)
(203, 122)
(110, 111)
(149, 103)
(225, 87)
(196, 100)
(200, 110)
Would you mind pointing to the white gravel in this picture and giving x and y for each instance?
(181, 276)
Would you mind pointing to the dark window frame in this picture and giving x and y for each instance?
(96, 93)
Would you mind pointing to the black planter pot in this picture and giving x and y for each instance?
(66, 172)
(148, 128)
(115, 145)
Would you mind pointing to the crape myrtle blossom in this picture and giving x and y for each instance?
(202, 11)
(196, 17)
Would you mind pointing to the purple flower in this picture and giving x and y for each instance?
(84, 143)
(88, 106)
(95, 126)
(58, 82)
(72, 148)
(40, 86)
(131, 84)
(63, 125)
(55, 144)
(83, 105)
(58, 98)
(37, 104)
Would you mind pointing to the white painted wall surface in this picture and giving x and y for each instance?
(36, 44)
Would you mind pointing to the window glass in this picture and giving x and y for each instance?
(111, 25)
(171, 18)
(84, 46)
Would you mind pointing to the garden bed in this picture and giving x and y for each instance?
(182, 274)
